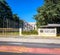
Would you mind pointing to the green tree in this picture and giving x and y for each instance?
(18, 20)
(48, 13)
(5, 14)
(15, 18)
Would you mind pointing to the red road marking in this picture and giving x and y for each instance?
(21, 49)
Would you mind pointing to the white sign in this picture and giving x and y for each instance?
(47, 31)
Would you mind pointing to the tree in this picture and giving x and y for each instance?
(17, 20)
(5, 14)
(48, 13)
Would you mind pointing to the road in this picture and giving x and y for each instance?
(25, 48)
(6, 53)
(36, 45)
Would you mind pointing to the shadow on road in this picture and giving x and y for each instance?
(7, 53)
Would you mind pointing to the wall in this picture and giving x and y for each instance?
(47, 32)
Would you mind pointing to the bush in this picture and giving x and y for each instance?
(32, 32)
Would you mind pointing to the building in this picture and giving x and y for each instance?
(33, 24)
(27, 26)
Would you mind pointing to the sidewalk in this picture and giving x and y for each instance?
(51, 41)
(30, 36)
(39, 37)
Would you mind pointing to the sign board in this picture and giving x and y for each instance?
(47, 32)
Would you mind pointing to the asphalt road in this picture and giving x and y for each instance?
(39, 45)
(6, 53)
(29, 45)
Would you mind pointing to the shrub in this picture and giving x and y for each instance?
(32, 32)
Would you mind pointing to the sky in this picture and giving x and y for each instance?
(25, 9)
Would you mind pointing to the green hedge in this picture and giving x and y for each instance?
(32, 32)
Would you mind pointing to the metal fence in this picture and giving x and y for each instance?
(9, 31)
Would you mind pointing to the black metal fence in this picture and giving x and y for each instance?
(9, 30)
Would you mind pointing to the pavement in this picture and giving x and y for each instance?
(8, 53)
(30, 40)
(11, 48)
(29, 46)
(21, 49)
(31, 36)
